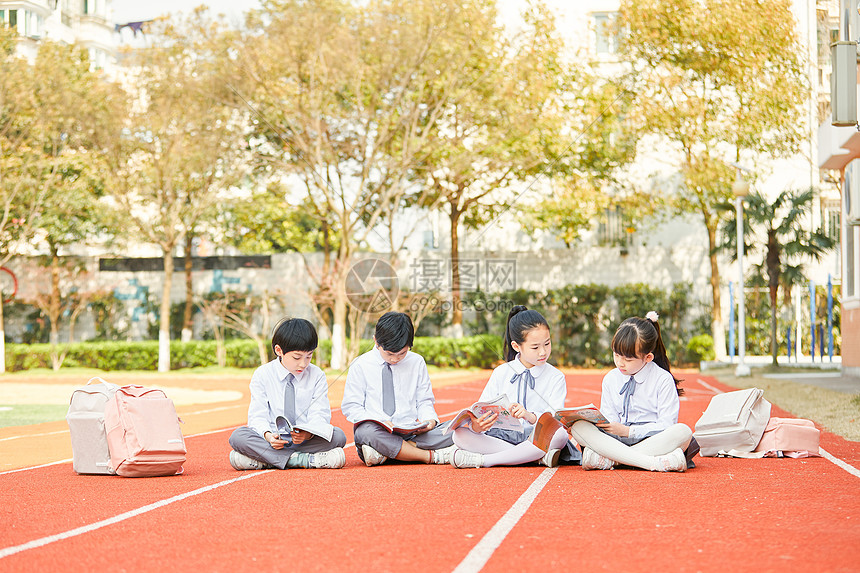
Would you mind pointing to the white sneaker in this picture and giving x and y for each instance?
(463, 459)
(331, 459)
(674, 461)
(371, 456)
(550, 459)
(243, 462)
(443, 456)
(591, 460)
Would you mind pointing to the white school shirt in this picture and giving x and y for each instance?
(313, 411)
(413, 395)
(653, 406)
(548, 395)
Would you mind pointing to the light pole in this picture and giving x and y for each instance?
(740, 188)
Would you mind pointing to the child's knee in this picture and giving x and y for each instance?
(338, 438)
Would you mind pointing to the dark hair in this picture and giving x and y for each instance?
(521, 321)
(294, 334)
(394, 331)
(637, 337)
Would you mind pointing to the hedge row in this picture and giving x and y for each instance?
(473, 351)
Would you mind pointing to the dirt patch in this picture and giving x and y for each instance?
(838, 412)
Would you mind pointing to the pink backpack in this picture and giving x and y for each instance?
(143, 433)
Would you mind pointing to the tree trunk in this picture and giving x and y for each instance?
(54, 309)
(2, 337)
(717, 312)
(164, 322)
(187, 324)
(338, 331)
(456, 305)
(773, 267)
(262, 350)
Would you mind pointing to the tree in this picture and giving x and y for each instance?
(179, 157)
(503, 122)
(347, 96)
(776, 230)
(53, 115)
(718, 89)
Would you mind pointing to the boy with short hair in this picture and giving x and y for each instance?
(391, 384)
(289, 419)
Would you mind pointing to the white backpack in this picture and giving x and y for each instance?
(733, 421)
(86, 419)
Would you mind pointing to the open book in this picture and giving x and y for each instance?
(500, 405)
(402, 428)
(589, 413)
(285, 428)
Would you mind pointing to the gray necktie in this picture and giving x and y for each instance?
(627, 390)
(290, 400)
(526, 380)
(387, 390)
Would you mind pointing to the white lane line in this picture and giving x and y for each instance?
(34, 435)
(122, 516)
(36, 467)
(845, 466)
(481, 553)
(824, 453)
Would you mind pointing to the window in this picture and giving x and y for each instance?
(13, 18)
(614, 230)
(850, 272)
(606, 38)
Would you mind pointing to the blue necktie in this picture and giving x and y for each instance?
(388, 405)
(290, 400)
(525, 379)
(627, 390)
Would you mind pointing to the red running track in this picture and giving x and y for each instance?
(725, 515)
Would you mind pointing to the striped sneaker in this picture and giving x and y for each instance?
(674, 461)
(443, 456)
(243, 462)
(331, 459)
(371, 456)
(550, 459)
(463, 459)
(591, 460)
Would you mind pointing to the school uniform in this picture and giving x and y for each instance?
(271, 399)
(648, 405)
(653, 402)
(539, 389)
(413, 401)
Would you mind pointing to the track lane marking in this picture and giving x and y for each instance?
(481, 553)
(41, 542)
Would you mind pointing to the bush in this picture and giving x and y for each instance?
(241, 353)
(700, 348)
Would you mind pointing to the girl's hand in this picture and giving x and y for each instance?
(485, 422)
(517, 411)
(275, 441)
(616, 428)
(300, 436)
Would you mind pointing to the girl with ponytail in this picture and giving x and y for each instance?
(533, 387)
(640, 400)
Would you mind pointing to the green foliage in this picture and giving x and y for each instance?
(131, 355)
(701, 347)
(481, 351)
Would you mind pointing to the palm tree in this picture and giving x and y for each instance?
(776, 229)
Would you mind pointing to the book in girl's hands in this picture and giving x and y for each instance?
(402, 428)
(500, 405)
(589, 413)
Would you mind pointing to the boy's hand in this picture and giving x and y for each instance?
(616, 428)
(485, 422)
(517, 411)
(428, 425)
(275, 441)
(300, 436)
